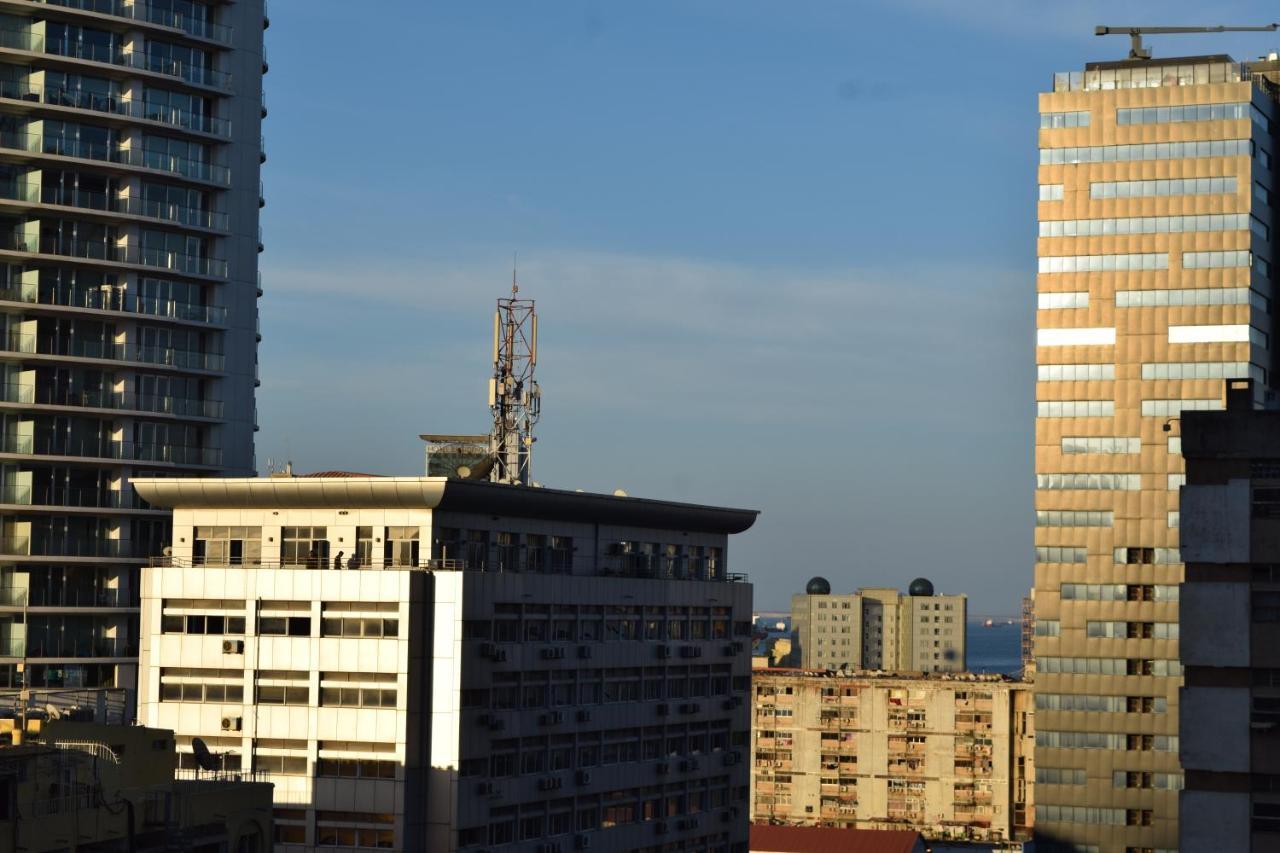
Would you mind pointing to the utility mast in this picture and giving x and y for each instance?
(514, 398)
(1135, 34)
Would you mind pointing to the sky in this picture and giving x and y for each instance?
(782, 253)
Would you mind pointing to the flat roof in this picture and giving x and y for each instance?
(442, 493)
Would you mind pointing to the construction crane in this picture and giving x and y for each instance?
(1135, 34)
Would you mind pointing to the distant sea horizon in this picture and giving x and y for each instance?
(994, 649)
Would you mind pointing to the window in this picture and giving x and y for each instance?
(1075, 372)
(1216, 260)
(1265, 606)
(358, 689)
(227, 546)
(1196, 296)
(356, 768)
(1048, 628)
(304, 546)
(201, 685)
(1059, 776)
(400, 547)
(285, 618)
(359, 619)
(1190, 112)
(1094, 592)
(290, 826)
(1120, 226)
(1173, 408)
(283, 687)
(1139, 556)
(1239, 333)
(1073, 518)
(286, 765)
(1103, 263)
(364, 546)
(1104, 704)
(202, 616)
(1075, 337)
(1145, 151)
(1075, 409)
(1077, 118)
(1057, 554)
(355, 829)
(1197, 370)
(1051, 192)
(1104, 482)
(1103, 444)
(1162, 187)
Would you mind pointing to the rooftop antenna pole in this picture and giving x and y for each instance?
(514, 397)
(1135, 34)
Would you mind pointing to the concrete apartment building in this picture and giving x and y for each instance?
(423, 663)
(1230, 740)
(877, 628)
(130, 150)
(950, 756)
(1154, 284)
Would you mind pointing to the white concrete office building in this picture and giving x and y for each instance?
(432, 664)
(130, 152)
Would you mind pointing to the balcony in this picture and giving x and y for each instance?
(63, 546)
(100, 250)
(191, 217)
(70, 645)
(197, 75)
(148, 13)
(36, 344)
(106, 449)
(33, 93)
(40, 394)
(48, 495)
(64, 598)
(114, 299)
(141, 158)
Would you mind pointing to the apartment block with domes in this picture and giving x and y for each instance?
(878, 628)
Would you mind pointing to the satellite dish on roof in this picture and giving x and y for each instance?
(206, 759)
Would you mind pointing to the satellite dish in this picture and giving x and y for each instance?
(619, 493)
(206, 759)
(168, 551)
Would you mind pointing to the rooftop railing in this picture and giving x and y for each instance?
(1149, 76)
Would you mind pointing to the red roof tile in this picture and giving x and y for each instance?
(766, 838)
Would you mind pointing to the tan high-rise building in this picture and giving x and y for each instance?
(878, 628)
(948, 755)
(1155, 234)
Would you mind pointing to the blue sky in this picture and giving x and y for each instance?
(783, 255)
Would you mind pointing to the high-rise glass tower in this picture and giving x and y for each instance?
(130, 151)
(1154, 284)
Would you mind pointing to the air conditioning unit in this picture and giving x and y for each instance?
(233, 647)
(663, 709)
(663, 768)
(549, 783)
(664, 652)
(729, 651)
(486, 789)
(584, 716)
(486, 650)
(232, 724)
(691, 651)
(738, 647)
(552, 718)
(661, 827)
(583, 777)
(693, 765)
(553, 654)
(582, 842)
(689, 708)
(584, 653)
(499, 655)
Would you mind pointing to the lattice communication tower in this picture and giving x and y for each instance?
(514, 397)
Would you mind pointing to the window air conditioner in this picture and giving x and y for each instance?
(232, 724)
(233, 647)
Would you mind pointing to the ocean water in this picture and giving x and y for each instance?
(994, 649)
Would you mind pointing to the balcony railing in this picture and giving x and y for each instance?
(73, 597)
(114, 299)
(128, 205)
(200, 75)
(101, 250)
(47, 494)
(35, 344)
(26, 393)
(305, 563)
(116, 105)
(102, 448)
(140, 157)
(63, 546)
(71, 645)
(142, 11)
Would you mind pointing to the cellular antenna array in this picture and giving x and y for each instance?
(514, 398)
